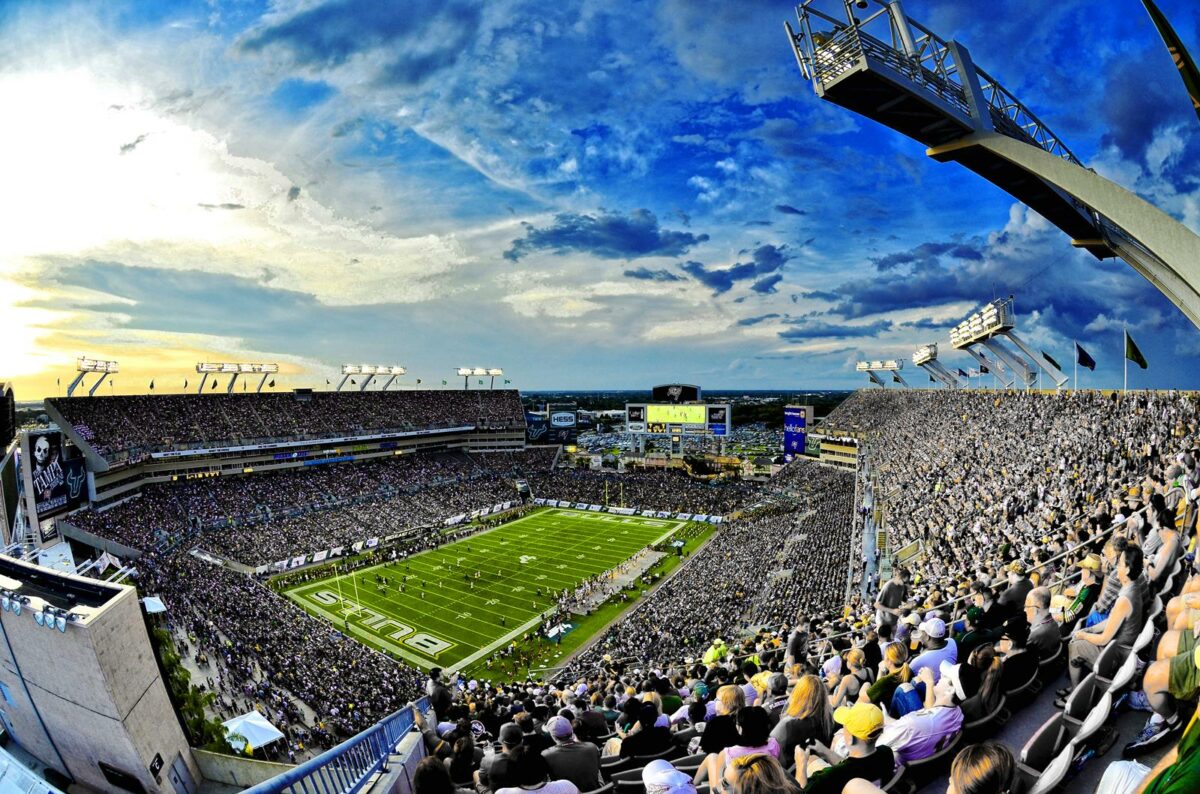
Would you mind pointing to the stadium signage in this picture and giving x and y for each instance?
(185, 453)
(562, 419)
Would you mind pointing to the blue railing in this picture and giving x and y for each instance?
(346, 768)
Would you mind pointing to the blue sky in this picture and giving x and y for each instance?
(587, 194)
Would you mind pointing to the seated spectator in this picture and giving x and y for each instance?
(570, 759)
(1020, 663)
(647, 737)
(776, 700)
(753, 739)
(1044, 635)
(721, 731)
(1122, 625)
(1014, 594)
(495, 769)
(1177, 773)
(1078, 600)
(659, 777)
(920, 734)
(893, 671)
(936, 648)
(856, 677)
(432, 777)
(821, 771)
(986, 662)
(757, 774)
(530, 772)
(987, 768)
(464, 761)
(808, 717)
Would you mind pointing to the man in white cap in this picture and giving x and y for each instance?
(936, 647)
(659, 777)
(571, 759)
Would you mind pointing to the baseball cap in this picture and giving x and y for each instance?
(660, 777)
(510, 734)
(933, 627)
(1091, 562)
(912, 619)
(862, 720)
(964, 678)
(560, 728)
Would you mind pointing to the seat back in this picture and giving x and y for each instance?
(1144, 638)
(1045, 743)
(607, 788)
(892, 784)
(1048, 668)
(1055, 772)
(988, 723)
(1095, 719)
(1124, 674)
(1082, 698)
(1109, 661)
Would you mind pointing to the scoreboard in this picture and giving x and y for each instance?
(678, 420)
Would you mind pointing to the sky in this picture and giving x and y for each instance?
(587, 194)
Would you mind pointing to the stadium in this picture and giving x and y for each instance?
(969, 575)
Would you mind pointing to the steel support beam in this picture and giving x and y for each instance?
(1054, 372)
(1015, 364)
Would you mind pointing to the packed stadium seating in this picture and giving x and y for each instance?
(1011, 498)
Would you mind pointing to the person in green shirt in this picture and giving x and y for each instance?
(1177, 773)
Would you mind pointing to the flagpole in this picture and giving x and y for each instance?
(1125, 388)
(1076, 366)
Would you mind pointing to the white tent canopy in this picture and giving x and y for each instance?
(251, 728)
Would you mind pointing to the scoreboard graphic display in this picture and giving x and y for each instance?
(676, 419)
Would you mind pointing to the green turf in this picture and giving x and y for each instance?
(452, 624)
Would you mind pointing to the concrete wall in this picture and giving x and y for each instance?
(236, 770)
(98, 692)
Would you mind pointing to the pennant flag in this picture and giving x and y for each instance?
(418, 381)
(353, 382)
(443, 383)
(327, 381)
(1083, 359)
(1050, 358)
(272, 384)
(1132, 353)
(896, 378)
(151, 385)
(932, 379)
(481, 381)
(983, 370)
(185, 383)
(214, 384)
(243, 385)
(506, 380)
(962, 374)
(1183, 61)
(59, 381)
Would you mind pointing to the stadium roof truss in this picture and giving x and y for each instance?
(869, 57)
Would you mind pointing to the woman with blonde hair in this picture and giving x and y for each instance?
(857, 676)
(808, 717)
(757, 774)
(721, 731)
(987, 662)
(986, 768)
(893, 671)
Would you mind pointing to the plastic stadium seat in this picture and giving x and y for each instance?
(892, 784)
(1080, 703)
(607, 788)
(1040, 750)
(668, 754)
(1048, 669)
(1055, 772)
(690, 763)
(988, 724)
(629, 782)
(920, 773)
(1125, 673)
(684, 737)
(612, 765)
(1109, 662)
(1156, 609)
(1145, 638)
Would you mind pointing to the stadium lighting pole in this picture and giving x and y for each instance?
(465, 374)
(494, 372)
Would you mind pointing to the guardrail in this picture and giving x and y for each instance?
(348, 767)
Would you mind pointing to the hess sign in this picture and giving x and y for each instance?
(562, 419)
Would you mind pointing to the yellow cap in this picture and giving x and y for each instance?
(863, 720)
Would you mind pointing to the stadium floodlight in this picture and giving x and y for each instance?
(891, 365)
(494, 372)
(351, 369)
(234, 369)
(370, 371)
(85, 365)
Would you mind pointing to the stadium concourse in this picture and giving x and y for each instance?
(1055, 532)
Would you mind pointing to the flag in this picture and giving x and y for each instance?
(973, 373)
(418, 381)
(1132, 353)
(353, 382)
(1050, 358)
(243, 385)
(443, 383)
(1083, 359)
(1183, 61)
(962, 374)
(983, 370)
(185, 383)
(327, 381)
(272, 384)
(151, 385)
(214, 383)
(59, 381)
(506, 380)
(481, 381)
(896, 378)
(931, 379)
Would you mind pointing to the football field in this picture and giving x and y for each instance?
(435, 611)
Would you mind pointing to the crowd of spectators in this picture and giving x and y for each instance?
(666, 489)
(141, 424)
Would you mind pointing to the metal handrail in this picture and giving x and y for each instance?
(348, 767)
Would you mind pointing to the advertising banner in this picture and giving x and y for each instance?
(58, 484)
(795, 428)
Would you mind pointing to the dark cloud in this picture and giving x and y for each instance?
(788, 209)
(126, 148)
(817, 294)
(646, 274)
(748, 321)
(927, 255)
(608, 236)
(416, 39)
(769, 258)
(225, 206)
(719, 280)
(926, 324)
(293, 193)
(809, 331)
(766, 286)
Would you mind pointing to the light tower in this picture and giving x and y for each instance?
(891, 366)
(206, 368)
(85, 365)
(988, 328)
(925, 357)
